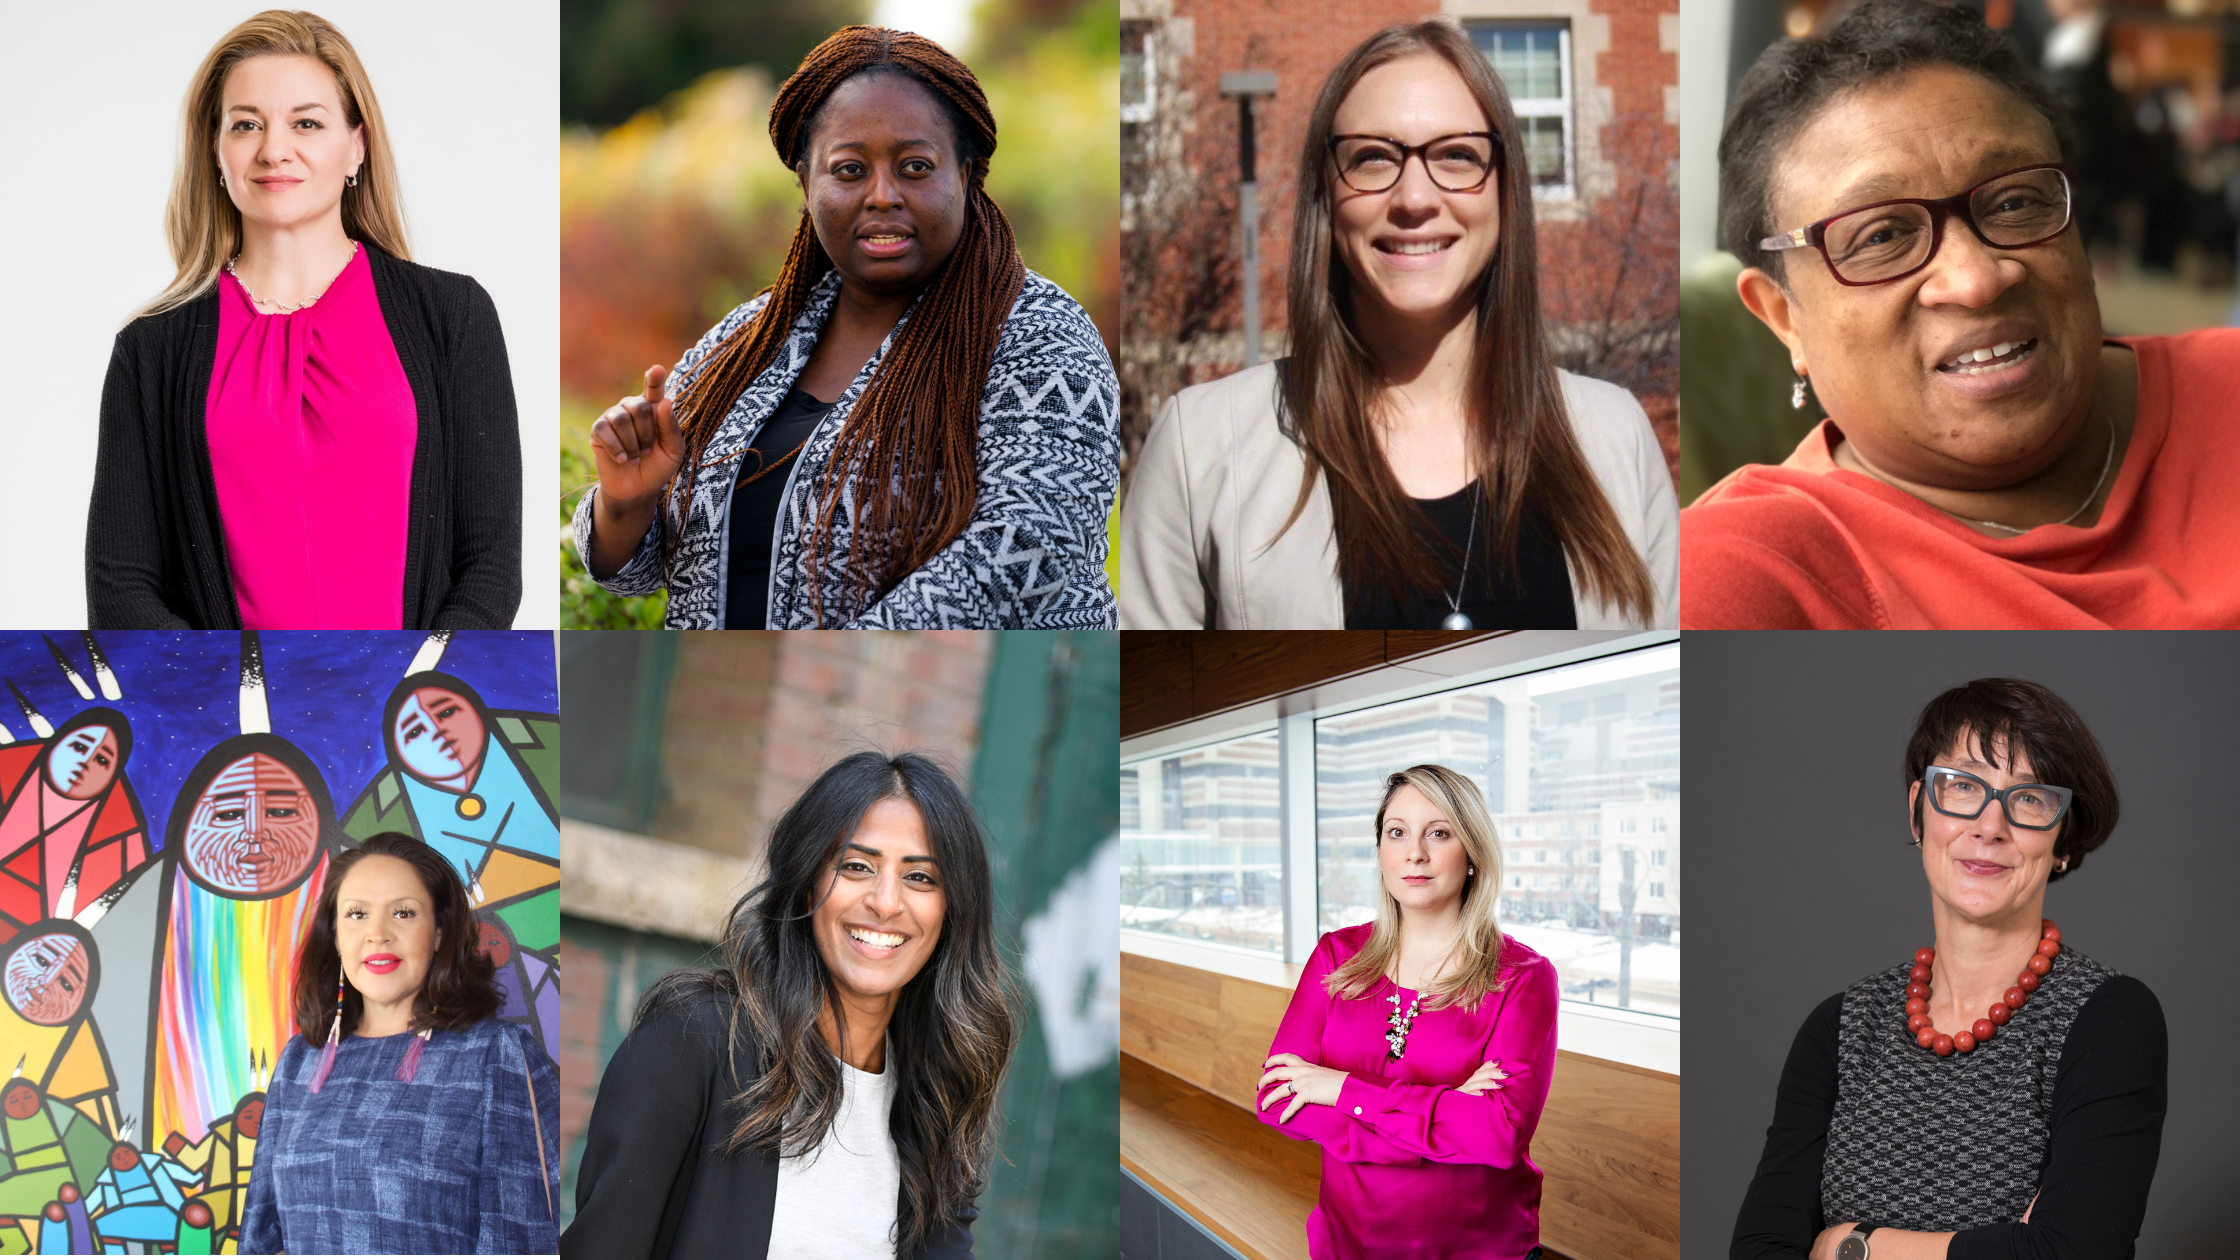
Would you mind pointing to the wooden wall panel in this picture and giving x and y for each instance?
(1608, 1142)
(1172, 676)
(1155, 679)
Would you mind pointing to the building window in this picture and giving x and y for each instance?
(1554, 751)
(1139, 72)
(1534, 62)
(1200, 839)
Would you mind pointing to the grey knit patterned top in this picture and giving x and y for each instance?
(1927, 1143)
(1033, 554)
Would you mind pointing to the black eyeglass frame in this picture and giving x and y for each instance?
(1815, 235)
(1929, 789)
(1420, 152)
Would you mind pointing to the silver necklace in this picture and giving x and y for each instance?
(1456, 619)
(1396, 1035)
(2105, 464)
(278, 309)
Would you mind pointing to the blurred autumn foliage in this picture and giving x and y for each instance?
(670, 219)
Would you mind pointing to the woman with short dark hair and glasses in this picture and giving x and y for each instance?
(1896, 194)
(1998, 1095)
(1417, 461)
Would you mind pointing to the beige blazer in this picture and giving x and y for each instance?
(1217, 478)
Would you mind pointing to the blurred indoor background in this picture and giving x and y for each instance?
(680, 750)
(2153, 87)
(674, 209)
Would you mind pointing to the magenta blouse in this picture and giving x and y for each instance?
(1410, 1167)
(311, 427)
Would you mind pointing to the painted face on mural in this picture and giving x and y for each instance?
(20, 1100)
(46, 977)
(83, 762)
(255, 829)
(248, 1122)
(440, 738)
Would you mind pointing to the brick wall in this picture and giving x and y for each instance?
(754, 717)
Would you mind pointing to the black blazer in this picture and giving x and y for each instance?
(155, 552)
(654, 1183)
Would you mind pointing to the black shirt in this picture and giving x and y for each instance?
(1536, 595)
(2109, 1096)
(754, 507)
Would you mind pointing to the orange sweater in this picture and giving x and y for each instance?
(1808, 545)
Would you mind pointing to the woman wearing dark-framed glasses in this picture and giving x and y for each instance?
(1417, 460)
(1991, 459)
(1998, 1094)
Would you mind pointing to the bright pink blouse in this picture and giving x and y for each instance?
(311, 427)
(1410, 1167)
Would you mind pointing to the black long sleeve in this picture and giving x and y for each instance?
(485, 472)
(2110, 1095)
(2109, 1099)
(1781, 1213)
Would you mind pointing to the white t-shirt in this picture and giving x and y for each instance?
(837, 1202)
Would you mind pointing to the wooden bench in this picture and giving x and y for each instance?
(1192, 1041)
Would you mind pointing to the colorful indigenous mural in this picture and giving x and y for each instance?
(145, 955)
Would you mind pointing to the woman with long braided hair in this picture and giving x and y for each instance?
(908, 429)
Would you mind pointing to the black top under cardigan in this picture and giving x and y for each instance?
(654, 1182)
(155, 551)
(2109, 1096)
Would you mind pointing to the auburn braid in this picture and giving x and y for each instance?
(910, 448)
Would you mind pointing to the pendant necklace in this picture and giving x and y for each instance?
(1456, 619)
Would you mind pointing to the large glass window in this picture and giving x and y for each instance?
(1201, 844)
(1580, 765)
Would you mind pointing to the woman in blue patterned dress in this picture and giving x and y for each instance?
(908, 429)
(404, 1116)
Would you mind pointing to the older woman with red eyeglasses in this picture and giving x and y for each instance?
(1896, 194)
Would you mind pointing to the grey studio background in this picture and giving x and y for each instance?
(1804, 876)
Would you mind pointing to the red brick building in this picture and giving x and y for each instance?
(1595, 84)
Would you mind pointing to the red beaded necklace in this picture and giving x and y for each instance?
(1917, 997)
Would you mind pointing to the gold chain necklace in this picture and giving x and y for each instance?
(279, 309)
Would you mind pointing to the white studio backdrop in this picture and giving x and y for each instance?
(92, 94)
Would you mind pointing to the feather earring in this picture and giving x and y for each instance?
(334, 1040)
(411, 1062)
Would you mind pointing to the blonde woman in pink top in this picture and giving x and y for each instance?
(305, 430)
(1418, 1048)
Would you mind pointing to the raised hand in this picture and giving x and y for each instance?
(637, 445)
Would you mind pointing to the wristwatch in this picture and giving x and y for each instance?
(1854, 1244)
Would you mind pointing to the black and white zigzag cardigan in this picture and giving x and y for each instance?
(1033, 554)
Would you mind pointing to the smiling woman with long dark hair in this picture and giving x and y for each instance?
(404, 1117)
(908, 429)
(831, 1090)
(1417, 461)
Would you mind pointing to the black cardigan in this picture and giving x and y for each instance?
(654, 1182)
(2109, 1096)
(155, 552)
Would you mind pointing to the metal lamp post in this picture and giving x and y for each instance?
(1244, 85)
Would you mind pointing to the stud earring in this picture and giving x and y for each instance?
(2062, 866)
(1797, 393)
(353, 183)
(1473, 870)
(221, 179)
